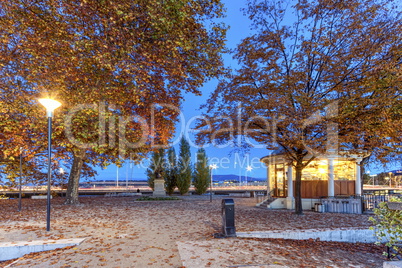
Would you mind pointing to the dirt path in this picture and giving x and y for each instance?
(121, 232)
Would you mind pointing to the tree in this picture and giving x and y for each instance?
(184, 167)
(116, 66)
(202, 173)
(172, 172)
(380, 112)
(308, 80)
(157, 168)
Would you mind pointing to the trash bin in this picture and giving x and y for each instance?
(345, 207)
(325, 205)
(320, 208)
(337, 207)
(228, 218)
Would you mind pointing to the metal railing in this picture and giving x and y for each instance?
(368, 202)
(371, 201)
(341, 204)
(262, 196)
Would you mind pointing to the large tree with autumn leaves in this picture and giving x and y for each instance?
(317, 77)
(118, 67)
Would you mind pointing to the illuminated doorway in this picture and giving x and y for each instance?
(280, 184)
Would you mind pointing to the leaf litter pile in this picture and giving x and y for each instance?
(121, 232)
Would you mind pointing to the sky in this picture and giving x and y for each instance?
(227, 159)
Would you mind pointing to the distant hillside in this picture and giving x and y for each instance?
(232, 177)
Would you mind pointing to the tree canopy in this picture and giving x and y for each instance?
(114, 65)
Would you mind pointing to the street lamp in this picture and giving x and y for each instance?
(20, 182)
(389, 181)
(211, 167)
(249, 168)
(50, 106)
(61, 182)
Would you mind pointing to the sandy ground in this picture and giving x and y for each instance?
(122, 232)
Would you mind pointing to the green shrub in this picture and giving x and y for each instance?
(162, 198)
(388, 224)
(202, 173)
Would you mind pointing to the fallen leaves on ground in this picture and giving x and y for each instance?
(123, 233)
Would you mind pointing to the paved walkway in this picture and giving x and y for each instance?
(123, 233)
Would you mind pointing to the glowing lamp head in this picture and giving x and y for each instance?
(50, 105)
(249, 168)
(213, 166)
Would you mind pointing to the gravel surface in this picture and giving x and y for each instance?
(123, 232)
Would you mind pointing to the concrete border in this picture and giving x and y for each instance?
(336, 235)
(392, 264)
(13, 250)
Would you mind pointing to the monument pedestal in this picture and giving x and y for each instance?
(159, 187)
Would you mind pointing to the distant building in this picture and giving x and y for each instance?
(397, 172)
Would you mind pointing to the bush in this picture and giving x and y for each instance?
(150, 198)
(183, 181)
(171, 172)
(202, 173)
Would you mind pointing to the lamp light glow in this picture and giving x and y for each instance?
(213, 166)
(248, 168)
(50, 105)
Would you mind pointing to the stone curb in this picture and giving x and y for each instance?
(392, 264)
(13, 250)
(336, 235)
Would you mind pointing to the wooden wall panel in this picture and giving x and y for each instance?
(318, 188)
(313, 188)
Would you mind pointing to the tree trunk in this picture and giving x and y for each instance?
(74, 179)
(298, 199)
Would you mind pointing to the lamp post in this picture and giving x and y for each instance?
(50, 106)
(389, 181)
(372, 177)
(61, 172)
(211, 167)
(20, 182)
(249, 168)
(117, 176)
